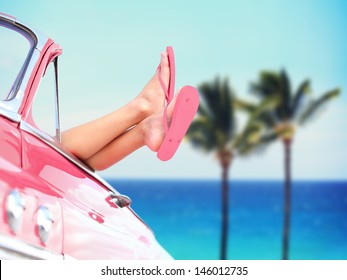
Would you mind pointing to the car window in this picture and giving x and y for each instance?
(44, 110)
(14, 48)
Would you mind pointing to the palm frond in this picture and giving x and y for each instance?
(313, 108)
(268, 138)
(297, 103)
(215, 124)
(268, 118)
(284, 107)
(268, 84)
(260, 121)
(228, 114)
(264, 109)
(217, 99)
(248, 135)
(202, 110)
(244, 106)
(201, 134)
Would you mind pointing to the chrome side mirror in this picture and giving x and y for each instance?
(120, 200)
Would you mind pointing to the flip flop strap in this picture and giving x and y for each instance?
(163, 86)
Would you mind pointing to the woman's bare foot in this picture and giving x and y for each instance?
(153, 131)
(152, 98)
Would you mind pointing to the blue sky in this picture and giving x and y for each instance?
(111, 49)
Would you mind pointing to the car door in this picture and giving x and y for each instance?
(30, 225)
(30, 220)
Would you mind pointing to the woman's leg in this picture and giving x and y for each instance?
(87, 139)
(150, 133)
(116, 150)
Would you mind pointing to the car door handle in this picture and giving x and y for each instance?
(120, 200)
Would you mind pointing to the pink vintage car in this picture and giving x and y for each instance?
(52, 205)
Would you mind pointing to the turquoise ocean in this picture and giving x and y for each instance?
(185, 217)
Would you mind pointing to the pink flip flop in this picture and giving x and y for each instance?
(169, 91)
(186, 105)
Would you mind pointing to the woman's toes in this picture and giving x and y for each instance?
(165, 69)
(154, 92)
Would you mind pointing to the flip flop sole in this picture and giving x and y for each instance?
(186, 105)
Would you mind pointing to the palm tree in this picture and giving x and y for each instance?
(214, 130)
(292, 109)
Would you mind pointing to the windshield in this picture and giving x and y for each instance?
(14, 49)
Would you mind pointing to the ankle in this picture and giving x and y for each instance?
(143, 127)
(142, 108)
(152, 133)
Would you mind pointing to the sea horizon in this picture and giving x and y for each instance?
(185, 217)
(112, 178)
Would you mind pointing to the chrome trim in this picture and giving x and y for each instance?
(11, 248)
(8, 17)
(50, 141)
(44, 221)
(37, 41)
(15, 206)
(40, 37)
(57, 111)
(15, 103)
(9, 114)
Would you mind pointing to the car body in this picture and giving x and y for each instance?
(53, 206)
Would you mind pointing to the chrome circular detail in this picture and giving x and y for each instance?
(14, 210)
(44, 221)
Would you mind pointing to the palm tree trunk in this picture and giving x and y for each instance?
(225, 206)
(287, 199)
(225, 215)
